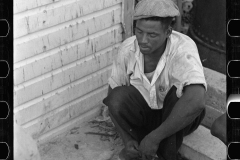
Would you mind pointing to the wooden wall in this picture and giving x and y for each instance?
(63, 51)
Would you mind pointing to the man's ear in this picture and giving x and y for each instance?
(169, 31)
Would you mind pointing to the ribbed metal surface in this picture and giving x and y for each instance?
(208, 30)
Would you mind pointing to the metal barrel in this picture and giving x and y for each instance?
(208, 30)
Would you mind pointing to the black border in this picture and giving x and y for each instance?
(6, 84)
(233, 84)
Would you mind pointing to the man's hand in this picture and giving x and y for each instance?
(131, 150)
(148, 147)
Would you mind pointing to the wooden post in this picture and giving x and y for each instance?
(128, 10)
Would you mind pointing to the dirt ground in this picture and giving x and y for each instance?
(94, 140)
(84, 143)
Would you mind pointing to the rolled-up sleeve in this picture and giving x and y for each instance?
(119, 74)
(186, 68)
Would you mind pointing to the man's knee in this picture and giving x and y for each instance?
(116, 99)
(218, 125)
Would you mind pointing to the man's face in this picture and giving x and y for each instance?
(150, 35)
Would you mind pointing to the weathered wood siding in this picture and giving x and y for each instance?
(63, 51)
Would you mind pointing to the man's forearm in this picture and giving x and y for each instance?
(177, 120)
(184, 112)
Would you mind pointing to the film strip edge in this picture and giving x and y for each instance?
(6, 79)
(233, 78)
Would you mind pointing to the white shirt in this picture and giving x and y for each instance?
(149, 75)
(179, 65)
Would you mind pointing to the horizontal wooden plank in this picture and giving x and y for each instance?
(57, 13)
(59, 57)
(202, 145)
(24, 5)
(61, 96)
(216, 98)
(63, 76)
(42, 41)
(65, 113)
(128, 7)
(216, 92)
(211, 115)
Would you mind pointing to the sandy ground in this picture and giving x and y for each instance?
(92, 141)
(81, 143)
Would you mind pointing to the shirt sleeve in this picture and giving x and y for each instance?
(186, 68)
(119, 74)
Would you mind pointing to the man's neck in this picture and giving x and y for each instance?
(156, 55)
(151, 61)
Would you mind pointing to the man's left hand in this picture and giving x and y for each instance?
(148, 147)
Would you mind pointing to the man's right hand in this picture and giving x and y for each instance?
(130, 151)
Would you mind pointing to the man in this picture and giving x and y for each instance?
(157, 86)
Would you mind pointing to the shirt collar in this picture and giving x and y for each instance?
(139, 58)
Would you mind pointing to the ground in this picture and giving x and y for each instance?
(93, 140)
(81, 143)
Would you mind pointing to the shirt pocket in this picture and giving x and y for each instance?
(162, 87)
(162, 91)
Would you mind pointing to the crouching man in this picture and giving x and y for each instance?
(157, 86)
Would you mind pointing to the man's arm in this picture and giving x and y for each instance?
(187, 108)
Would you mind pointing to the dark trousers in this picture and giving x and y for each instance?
(131, 112)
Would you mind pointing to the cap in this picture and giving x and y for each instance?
(155, 8)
